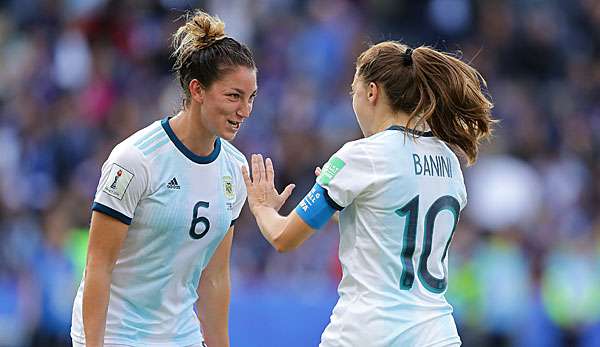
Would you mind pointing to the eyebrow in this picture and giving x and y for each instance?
(242, 92)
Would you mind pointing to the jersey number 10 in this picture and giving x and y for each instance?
(411, 212)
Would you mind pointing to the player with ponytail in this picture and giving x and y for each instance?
(400, 191)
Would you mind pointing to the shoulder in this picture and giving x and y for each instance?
(143, 135)
(362, 149)
(373, 142)
(148, 140)
(353, 146)
(233, 154)
(354, 156)
(131, 151)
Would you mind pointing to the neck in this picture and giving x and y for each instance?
(190, 131)
(385, 118)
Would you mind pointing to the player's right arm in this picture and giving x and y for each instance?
(123, 182)
(106, 238)
(286, 233)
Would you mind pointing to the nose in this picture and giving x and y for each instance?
(245, 109)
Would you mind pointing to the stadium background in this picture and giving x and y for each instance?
(78, 76)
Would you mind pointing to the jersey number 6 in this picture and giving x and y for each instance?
(196, 220)
(411, 212)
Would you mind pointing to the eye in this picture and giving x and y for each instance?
(233, 96)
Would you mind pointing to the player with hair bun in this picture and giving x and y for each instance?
(157, 270)
(400, 191)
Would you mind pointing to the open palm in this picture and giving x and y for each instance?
(261, 187)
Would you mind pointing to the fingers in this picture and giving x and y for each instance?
(255, 170)
(317, 171)
(270, 173)
(261, 168)
(287, 191)
(259, 173)
(246, 176)
(258, 168)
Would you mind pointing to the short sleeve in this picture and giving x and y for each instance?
(123, 182)
(347, 173)
(241, 193)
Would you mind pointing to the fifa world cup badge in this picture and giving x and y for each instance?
(228, 187)
(117, 181)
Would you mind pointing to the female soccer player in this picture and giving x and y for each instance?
(163, 214)
(400, 191)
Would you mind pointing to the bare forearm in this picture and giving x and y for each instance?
(283, 233)
(213, 310)
(271, 225)
(96, 293)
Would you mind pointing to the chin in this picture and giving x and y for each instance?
(229, 136)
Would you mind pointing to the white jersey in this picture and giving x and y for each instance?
(179, 207)
(401, 199)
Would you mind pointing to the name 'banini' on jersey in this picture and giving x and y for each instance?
(401, 198)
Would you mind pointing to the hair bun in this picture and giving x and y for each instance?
(205, 28)
(199, 31)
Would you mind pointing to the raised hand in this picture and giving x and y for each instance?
(261, 187)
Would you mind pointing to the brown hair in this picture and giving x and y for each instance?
(203, 52)
(432, 87)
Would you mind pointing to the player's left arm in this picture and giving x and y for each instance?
(284, 233)
(214, 295)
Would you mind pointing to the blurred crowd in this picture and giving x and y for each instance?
(79, 76)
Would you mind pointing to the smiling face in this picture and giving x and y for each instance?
(228, 102)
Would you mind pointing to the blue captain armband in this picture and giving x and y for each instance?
(317, 207)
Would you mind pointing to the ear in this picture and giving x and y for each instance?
(372, 93)
(197, 91)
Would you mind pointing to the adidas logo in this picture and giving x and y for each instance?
(173, 184)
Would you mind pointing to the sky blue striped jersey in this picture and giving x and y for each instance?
(179, 206)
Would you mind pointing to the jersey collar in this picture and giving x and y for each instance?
(183, 149)
(411, 131)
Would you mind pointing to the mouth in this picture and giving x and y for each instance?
(235, 125)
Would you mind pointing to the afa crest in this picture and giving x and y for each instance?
(228, 187)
